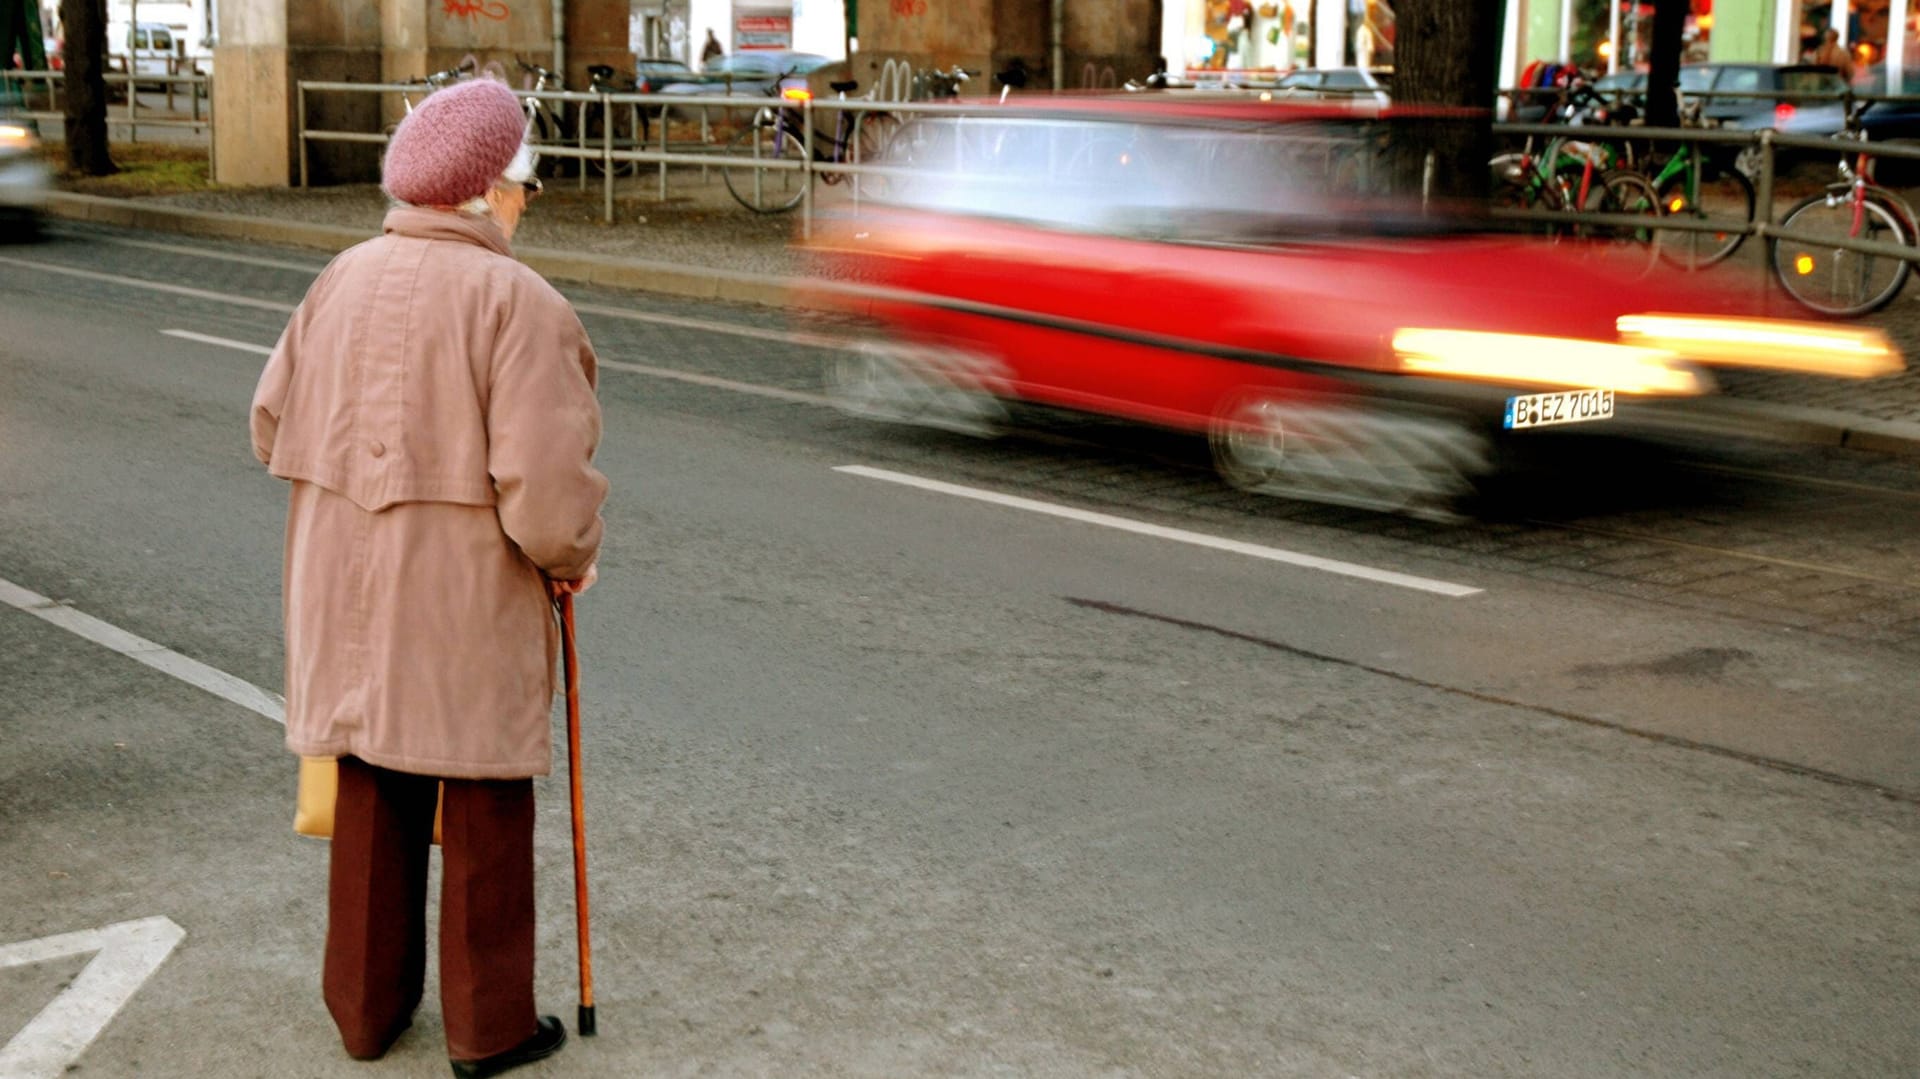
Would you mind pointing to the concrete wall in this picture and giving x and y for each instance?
(251, 96)
(267, 47)
(986, 35)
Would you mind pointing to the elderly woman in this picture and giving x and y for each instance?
(432, 403)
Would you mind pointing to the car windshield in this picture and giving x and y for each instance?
(801, 65)
(1217, 181)
(1812, 82)
(750, 66)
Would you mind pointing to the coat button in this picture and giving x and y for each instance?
(378, 448)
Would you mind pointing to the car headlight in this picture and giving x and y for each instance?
(1545, 361)
(1813, 348)
(15, 135)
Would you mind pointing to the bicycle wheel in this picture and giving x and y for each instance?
(766, 190)
(1517, 185)
(594, 117)
(1631, 193)
(1724, 199)
(1830, 279)
(872, 136)
(546, 129)
(916, 146)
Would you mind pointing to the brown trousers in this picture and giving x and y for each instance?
(377, 909)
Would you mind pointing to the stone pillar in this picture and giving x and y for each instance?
(267, 47)
(251, 95)
(597, 34)
(987, 35)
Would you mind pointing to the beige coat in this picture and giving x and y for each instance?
(432, 402)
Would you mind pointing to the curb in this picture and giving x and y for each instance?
(670, 278)
(1821, 427)
(1753, 419)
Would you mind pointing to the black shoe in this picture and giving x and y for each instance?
(546, 1041)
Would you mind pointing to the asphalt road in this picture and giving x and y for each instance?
(889, 780)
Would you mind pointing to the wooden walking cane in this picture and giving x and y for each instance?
(571, 665)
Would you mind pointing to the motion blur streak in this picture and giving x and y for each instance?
(1547, 361)
(1806, 347)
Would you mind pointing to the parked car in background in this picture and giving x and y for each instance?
(1883, 121)
(1708, 81)
(653, 72)
(1217, 265)
(25, 178)
(151, 49)
(1344, 83)
(744, 74)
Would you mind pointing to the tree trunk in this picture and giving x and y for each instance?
(1446, 53)
(86, 86)
(1663, 64)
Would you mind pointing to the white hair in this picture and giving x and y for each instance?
(517, 172)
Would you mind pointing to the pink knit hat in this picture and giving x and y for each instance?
(455, 144)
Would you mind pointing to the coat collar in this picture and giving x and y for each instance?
(425, 224)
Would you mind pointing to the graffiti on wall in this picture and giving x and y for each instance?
(475, 9)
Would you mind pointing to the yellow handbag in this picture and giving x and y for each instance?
(320, 789)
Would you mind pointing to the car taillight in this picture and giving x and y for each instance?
(1782, 113)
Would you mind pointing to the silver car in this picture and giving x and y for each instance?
(754, 74)
(1337, 83)
(25, 178)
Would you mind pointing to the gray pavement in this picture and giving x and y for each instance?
(889, 783)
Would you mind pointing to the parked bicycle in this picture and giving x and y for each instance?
(775, 140)
(545, 122)
(1573, 175)
(457, 73)
(1692, 183)
(1835, 280)
(626, 118)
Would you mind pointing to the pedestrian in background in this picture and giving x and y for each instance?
(1833, 54)
(711, 51)
(432, 403)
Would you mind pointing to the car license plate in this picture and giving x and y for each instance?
(1572, 406)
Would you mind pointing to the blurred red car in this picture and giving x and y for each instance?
(1237, 269)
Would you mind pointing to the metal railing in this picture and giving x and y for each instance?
(1764, 141)
(815, 117)
(609, 152)
(131, 116)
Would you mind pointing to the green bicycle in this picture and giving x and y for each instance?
(1692, 183)
(1572, 176)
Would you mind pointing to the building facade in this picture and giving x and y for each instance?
(1616, 34)
(266, 48)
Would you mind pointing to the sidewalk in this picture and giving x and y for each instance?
(700, 243)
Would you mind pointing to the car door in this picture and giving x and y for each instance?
(1345, 83)
(1300, 84)
(1746, 111)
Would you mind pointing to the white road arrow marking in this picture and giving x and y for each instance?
(125, 956)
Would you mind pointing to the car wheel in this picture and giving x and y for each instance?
(920, 385)
(1370, 456)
